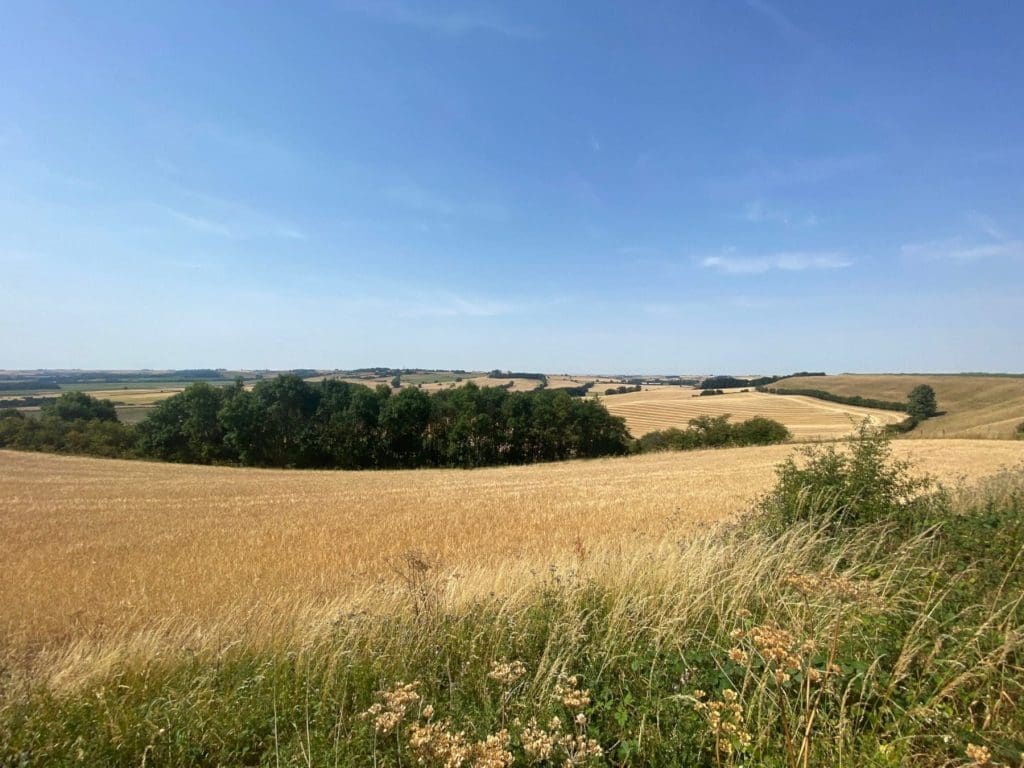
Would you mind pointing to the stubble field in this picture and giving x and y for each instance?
(806, 417)
(973, 406)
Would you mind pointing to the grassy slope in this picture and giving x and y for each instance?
(975, 406)
(881, 647)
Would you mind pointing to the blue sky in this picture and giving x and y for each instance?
(719, 186)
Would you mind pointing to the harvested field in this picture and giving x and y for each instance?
(91, 545)
(975, 406)
(136, 396)
(806, 417)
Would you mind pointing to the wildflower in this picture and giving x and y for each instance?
(506, 672)
(725, 722)
(388, 713)
(436, 743)
(570, 695)
(739, 656)
(428, 711)
(493, 751)
(980, 755)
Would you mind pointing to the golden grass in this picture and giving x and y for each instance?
(135, 396)
(92, 545)
(976, 406)
(806, 417)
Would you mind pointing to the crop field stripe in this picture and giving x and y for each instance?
(806, 417)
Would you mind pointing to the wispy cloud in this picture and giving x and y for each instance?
(986, 224)
(767, 174)
(796, 261)
(436, 304)
(784, 24)
(959, 249)
(434, 203)
(758, 212)
(451, 23)
(229, 219)
(995, 245)
(199, 223)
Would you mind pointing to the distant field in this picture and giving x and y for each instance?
(93, 544)
(807, 418)
(137, 396)
(518, 385)
(976, 406)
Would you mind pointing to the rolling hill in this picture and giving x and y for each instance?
(973, 406)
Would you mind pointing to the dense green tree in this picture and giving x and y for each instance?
(75, 423)
(403, 424)
(713, 432)
(188, 426)
(288, 422)
(759, 431)
(921, 403)
(71, 406)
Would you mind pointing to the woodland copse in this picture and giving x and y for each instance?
(288, 422)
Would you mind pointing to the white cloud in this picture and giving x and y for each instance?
(958, 249)
(786, 262)
(997, 246)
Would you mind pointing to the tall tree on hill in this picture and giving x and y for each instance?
(921, 403)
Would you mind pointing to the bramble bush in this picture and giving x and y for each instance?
(851, 485)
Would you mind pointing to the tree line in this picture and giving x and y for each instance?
(623, 390)
(731, 382)
(714, 432)
(288, 422)
(921, 403)
(832, 397)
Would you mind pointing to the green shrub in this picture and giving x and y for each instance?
(759, 431)
(858, 485)
(714, 432)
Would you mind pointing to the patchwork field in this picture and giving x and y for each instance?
(806, 417)
(91, 545)
(975, 406)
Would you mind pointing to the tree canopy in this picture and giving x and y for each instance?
(921, 402)
(288, 422)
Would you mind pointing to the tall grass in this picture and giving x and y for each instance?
(892, 641)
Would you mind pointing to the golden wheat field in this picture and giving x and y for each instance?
(806, 417)
(136, 396)
(975, 406)
(91, 545)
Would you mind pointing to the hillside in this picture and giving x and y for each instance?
(203, 538)
(975, 406)
(806, 417)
